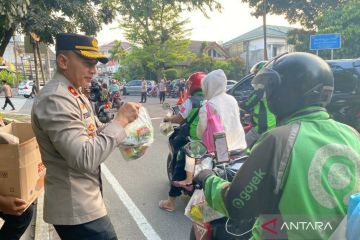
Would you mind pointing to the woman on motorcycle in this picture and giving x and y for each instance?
(190, 107)
(214, 89)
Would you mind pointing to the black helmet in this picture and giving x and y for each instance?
(293, 81)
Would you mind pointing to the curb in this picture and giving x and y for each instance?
(42, 229)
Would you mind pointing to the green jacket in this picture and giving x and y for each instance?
(262, 118)
(304, 170)
(197, 101)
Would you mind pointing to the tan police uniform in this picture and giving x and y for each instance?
(72, 148)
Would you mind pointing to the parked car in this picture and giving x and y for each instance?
(230, 84)
(25, 88)
(345, 103)
(134, 87)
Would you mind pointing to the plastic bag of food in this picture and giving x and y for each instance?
(140, 135)
(198, 210)
(166, 128)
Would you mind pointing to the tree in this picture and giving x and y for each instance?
(343, 19)
(117, 52)
(171, 73)
(296, 11)
(11, 13)
(300, 39)
(46, 18)
(156, 32)
(234, 68)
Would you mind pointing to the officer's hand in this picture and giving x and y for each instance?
(12, 205)
(127, 113)
(201, 177)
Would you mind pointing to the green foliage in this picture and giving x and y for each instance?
(344, 19)
(233, 68)
(11, 12)
(117, 52)
(300, 39)
(156, 31)
(10, 78)
(296, 11)
(171, 73)
(46, 18)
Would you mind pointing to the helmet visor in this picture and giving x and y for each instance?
(267, 79)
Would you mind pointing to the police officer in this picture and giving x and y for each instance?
(73, 143)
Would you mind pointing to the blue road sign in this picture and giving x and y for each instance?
(325, 41)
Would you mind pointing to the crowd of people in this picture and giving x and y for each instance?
(287, 171)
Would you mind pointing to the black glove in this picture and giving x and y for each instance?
(201, 178)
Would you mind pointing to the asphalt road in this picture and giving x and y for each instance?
(137, 186)
(145, 182)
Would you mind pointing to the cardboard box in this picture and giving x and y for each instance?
(21, 169)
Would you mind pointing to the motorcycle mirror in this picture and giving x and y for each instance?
(195, 149)
(166, 106)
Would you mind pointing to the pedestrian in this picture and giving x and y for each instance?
(73, 143)
(143, 90)
(162, 88)
(33, 91)
(17, 217)
(181, 88)
(8, 94)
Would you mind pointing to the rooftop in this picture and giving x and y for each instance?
(271, 31)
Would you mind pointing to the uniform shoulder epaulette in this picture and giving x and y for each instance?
(73, 91)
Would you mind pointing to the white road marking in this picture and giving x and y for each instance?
(157, 118)
(140, 220)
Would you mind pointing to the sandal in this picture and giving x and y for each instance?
(188, 187)
(162, 205)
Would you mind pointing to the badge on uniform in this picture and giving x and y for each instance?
(73, 91)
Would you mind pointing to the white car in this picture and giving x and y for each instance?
(230, 84)
(25, 88)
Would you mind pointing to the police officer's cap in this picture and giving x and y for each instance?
(84, 46)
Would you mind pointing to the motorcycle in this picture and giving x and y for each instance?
(153, 92)
(105, 112)
(171, 131)
(115, 99)
(219, 228)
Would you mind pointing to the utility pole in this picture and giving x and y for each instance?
(16, 64)
(41, 64)
(34, 40)
(264, 27)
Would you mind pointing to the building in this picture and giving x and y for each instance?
(112, 66)
(211, 49)
(250, 46)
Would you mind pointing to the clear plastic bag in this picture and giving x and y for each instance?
(166, 128)
(198, 210)
(140, 135)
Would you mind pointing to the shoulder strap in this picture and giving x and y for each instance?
(194, 116)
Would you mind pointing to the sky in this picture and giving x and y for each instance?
(235, 19)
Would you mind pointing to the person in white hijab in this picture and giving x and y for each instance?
(226, 106)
